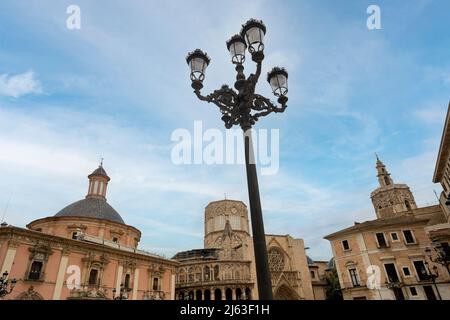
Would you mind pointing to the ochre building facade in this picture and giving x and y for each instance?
(391, 257)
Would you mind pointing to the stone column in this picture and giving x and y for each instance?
(233, 293)
(135, 284)
(61, 274)
(118, 278)
(172, 287)
(213, 294)
(9, 257)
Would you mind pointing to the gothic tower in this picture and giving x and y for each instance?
(391, 199)
(227, 228)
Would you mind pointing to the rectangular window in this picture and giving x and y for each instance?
(74, 235)
(127, 281)
(421, 271)
(413, 291)
(391, 272)
(155, 284)
(93, 276)
(394, 236)
(115, 240)
(313, 274)
(35, 270)
(406, 271)
(354, 277)
(345, 245)
(409, 238)
(381, 240)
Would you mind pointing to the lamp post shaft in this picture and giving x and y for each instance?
(259, 238)
(437, 289)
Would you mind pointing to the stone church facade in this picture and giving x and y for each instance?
(225, 268)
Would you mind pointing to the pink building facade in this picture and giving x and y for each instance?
(85, 251)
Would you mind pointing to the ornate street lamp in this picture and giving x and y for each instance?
(243, 108)
(431, 275)
(442, 256)
(197, 61)
(6, 287)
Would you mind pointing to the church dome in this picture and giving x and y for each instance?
(91, 208)
(94, 205)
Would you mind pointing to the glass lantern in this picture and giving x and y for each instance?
(236, 45)
(277, 79)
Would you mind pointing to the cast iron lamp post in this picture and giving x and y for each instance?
(244, 107)
(6, 287)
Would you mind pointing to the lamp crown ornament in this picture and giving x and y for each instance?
(253, 23)
(276, 71)
(198, 53)
(234, 39)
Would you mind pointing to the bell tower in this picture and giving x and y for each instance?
(227, 228)
(391, 199)
(384, 177)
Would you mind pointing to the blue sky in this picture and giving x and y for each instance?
(118, 88)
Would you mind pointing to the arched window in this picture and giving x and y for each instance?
(216, 272)
(218, 294)
(206, 273)
(248, 294)
(182, 276)
(191, 274)
(407, 205)
(228, 294)
(238, 294)
(386, 180)
(198, 274)
(198, 295)
(207, 295)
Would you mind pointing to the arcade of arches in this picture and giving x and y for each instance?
(222, 293)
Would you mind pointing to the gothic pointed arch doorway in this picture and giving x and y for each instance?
(285, 292)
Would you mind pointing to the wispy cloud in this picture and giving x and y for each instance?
(19, 84)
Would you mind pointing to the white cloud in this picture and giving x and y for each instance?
(19, 85)
(422, 165)
(432, 113)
